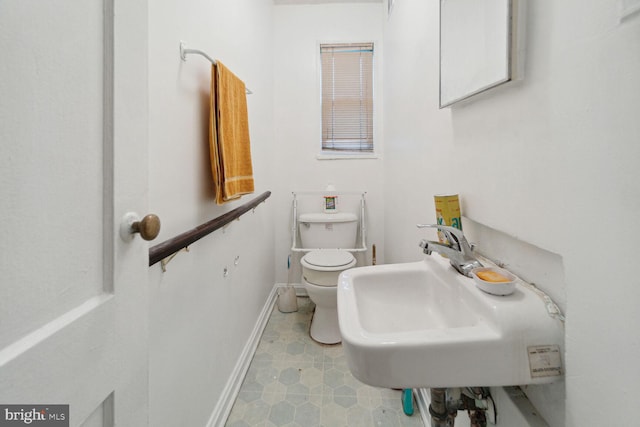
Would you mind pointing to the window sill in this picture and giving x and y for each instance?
(346, 156)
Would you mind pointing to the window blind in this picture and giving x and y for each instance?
(347, 97)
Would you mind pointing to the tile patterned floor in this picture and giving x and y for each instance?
(294, 381)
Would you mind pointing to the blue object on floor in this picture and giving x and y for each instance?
(407, 401)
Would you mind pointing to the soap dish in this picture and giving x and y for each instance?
(495, 288)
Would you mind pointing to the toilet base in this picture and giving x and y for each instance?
(324, 326)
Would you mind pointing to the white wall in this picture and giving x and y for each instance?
(200, 320)
(550, 161)
(298, 32)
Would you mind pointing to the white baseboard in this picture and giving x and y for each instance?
(232, 388)
(423, 400)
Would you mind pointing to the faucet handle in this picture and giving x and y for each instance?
(455, 231)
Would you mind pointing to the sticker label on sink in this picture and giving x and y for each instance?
(545, 361)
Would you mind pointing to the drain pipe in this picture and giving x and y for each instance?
(446, 402)
(476, 405)
(440, 416)
(478, 419)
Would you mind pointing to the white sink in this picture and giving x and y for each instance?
(423, 324)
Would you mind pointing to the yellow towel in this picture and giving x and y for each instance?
(229, 143)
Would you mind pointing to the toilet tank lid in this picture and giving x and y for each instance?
(328, 217)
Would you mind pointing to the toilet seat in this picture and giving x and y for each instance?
(322, 267)
(328, 260)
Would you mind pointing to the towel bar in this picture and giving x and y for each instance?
(184, 52)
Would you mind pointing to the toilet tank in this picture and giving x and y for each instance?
(328, 231)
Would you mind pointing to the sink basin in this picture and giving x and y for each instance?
(423, 324)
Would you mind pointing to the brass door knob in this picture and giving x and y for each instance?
(148, 227)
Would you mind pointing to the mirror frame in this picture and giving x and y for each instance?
(457, 25)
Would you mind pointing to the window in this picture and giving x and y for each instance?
(347, 97)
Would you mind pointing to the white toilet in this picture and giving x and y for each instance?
(327, 235)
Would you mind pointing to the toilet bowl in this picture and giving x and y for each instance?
(320, 271)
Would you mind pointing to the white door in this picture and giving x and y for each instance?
(73, 161)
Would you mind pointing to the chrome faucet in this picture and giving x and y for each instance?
(458, 249)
